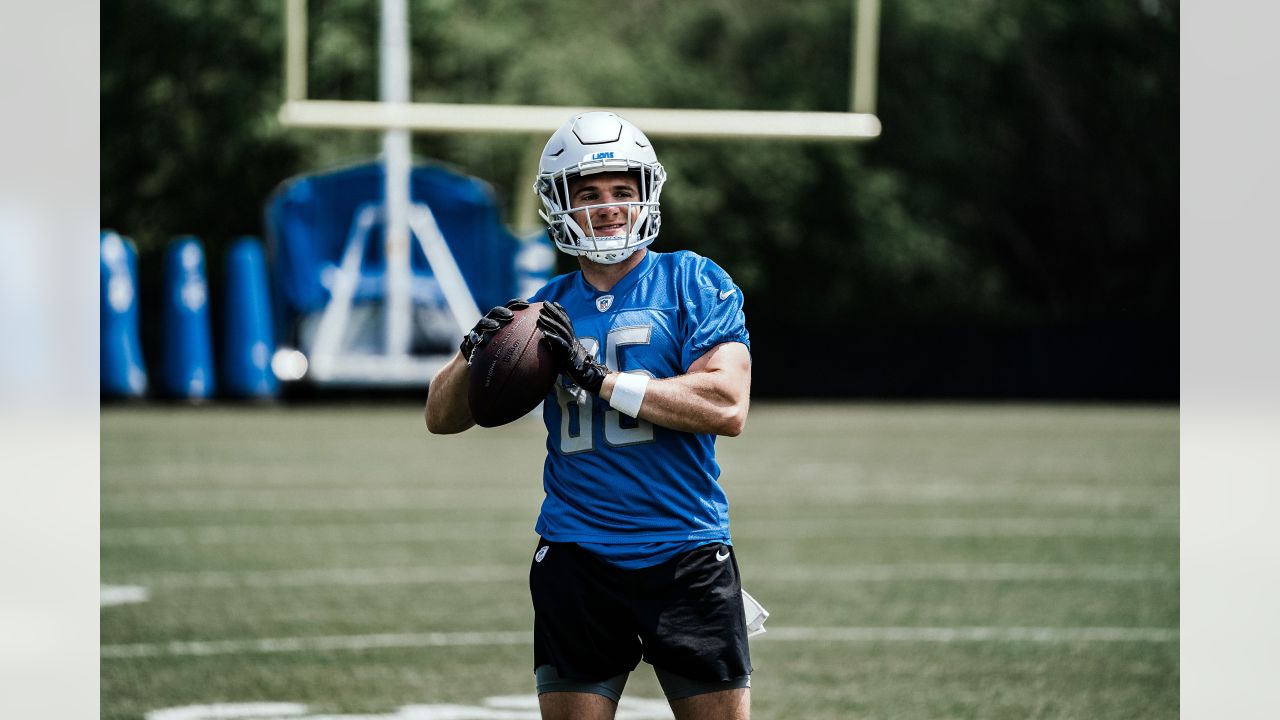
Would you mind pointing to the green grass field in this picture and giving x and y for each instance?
(919, 561)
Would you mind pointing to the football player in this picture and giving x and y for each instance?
(635, 559)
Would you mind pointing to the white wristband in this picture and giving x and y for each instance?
(628, 393)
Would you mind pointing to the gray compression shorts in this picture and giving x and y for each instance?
(675, 687)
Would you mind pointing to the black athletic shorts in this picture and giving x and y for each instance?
(593, 620)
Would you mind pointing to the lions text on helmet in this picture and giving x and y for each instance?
(599, 180)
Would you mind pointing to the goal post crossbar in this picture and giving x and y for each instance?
(544, 119)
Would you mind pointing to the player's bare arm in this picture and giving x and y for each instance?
(447, 410)
(712, 397)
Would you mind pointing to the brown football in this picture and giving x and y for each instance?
(511, 373)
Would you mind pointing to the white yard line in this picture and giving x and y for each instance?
(314, 644)
(974, 634)
(309, 499)
(344, 533)
(962, 572)
(500, 707)
(121, 594)
(375, 532)
(425, 575)
(316, 498)
(334, 577)
(959, 527)
(521, 637)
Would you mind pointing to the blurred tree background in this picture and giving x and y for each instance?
(1013, 232)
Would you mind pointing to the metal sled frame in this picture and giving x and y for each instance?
(328, 363)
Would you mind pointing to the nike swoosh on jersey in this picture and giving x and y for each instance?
(724, 295)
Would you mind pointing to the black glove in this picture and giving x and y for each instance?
(488, 325)
(571, 357)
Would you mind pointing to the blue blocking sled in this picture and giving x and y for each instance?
(187, 354)
(123, 373)
(313, 221)
(248, 340)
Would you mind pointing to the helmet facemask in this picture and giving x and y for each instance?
(641, 217)
(588, 144)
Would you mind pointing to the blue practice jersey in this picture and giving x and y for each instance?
(623, 487)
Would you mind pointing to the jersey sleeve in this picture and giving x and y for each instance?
(713, 310)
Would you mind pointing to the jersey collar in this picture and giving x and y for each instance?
(628, 281)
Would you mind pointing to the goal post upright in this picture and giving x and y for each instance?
(295, 50)
(397, 164)
(865, 36)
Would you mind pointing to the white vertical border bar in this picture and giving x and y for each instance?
(50, 218)
(396, 149)
(1230, 352)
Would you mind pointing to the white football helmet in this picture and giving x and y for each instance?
(590, 143)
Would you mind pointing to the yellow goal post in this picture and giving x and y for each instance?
(859, 124)
(404, 222)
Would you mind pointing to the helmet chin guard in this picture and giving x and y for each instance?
(590, 143)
